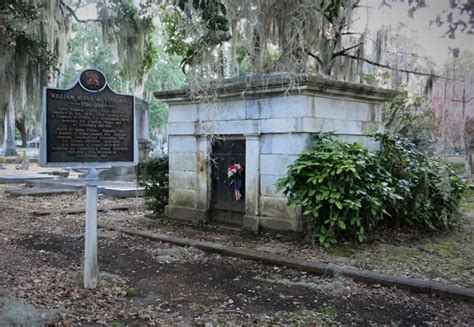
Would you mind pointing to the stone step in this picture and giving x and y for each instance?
(38, 191)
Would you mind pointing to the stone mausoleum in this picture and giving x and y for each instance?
(262, 124)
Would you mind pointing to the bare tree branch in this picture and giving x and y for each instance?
(466, 101)
(315, 57)
(393, 115)
(352, 33)
(340, 53)
(78, 4)
(72, 13)
(414, 72)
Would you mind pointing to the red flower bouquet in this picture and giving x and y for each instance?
(235, 176)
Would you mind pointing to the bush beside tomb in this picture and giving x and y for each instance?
(153, 175)
(430, 190)
(346, 192)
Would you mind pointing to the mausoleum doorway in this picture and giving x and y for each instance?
(226, 207)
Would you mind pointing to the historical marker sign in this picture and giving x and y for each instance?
(88, 125)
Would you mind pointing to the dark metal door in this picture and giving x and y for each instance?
(224, 207)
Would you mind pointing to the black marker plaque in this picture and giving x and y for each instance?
(89, 123)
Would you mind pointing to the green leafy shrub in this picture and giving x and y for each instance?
(153, 175)
(430, 190)
(341, 188)
(346, 192)
(411, 116)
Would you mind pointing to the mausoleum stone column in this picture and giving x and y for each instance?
(203, 181)
(252, 182)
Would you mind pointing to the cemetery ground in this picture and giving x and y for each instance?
(148, 282)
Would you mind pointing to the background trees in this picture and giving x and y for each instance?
(139, 44)
(33, 36)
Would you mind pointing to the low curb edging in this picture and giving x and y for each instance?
(366, 276)
(72, 211)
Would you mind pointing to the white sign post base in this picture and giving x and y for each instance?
(90, 252)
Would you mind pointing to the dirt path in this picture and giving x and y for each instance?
(146, 282)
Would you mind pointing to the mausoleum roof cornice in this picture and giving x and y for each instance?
(280, 84)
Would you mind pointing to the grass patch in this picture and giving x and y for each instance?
(131, 292)
(341, 251)
(303, 317)
(328, 311)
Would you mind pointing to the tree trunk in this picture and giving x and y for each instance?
(9, 148)
(21, 126)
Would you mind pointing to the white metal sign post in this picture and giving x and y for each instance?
(90, 251)
(88, 126)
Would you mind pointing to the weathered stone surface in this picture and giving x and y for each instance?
(290, 106)
(182, 197)
(202, 173)
(251, 223)
(182, 113)
(182, 161)
(267, 185)
(114, 188)
(182, 128)
(276, 164)
(371, 127)
(182, 144)
(310, 125)
(182, 179)
(277, 207)
(331, 108)
(122, 192)
(62, 183)
(348, 127)
(181, 213)
(229, 110)
(38, 191)
(362, 111)
(281, 125)
(285, 143)
(252, 176)
(237, 127)
(24, 178)
(280, 224)
(187, 214)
